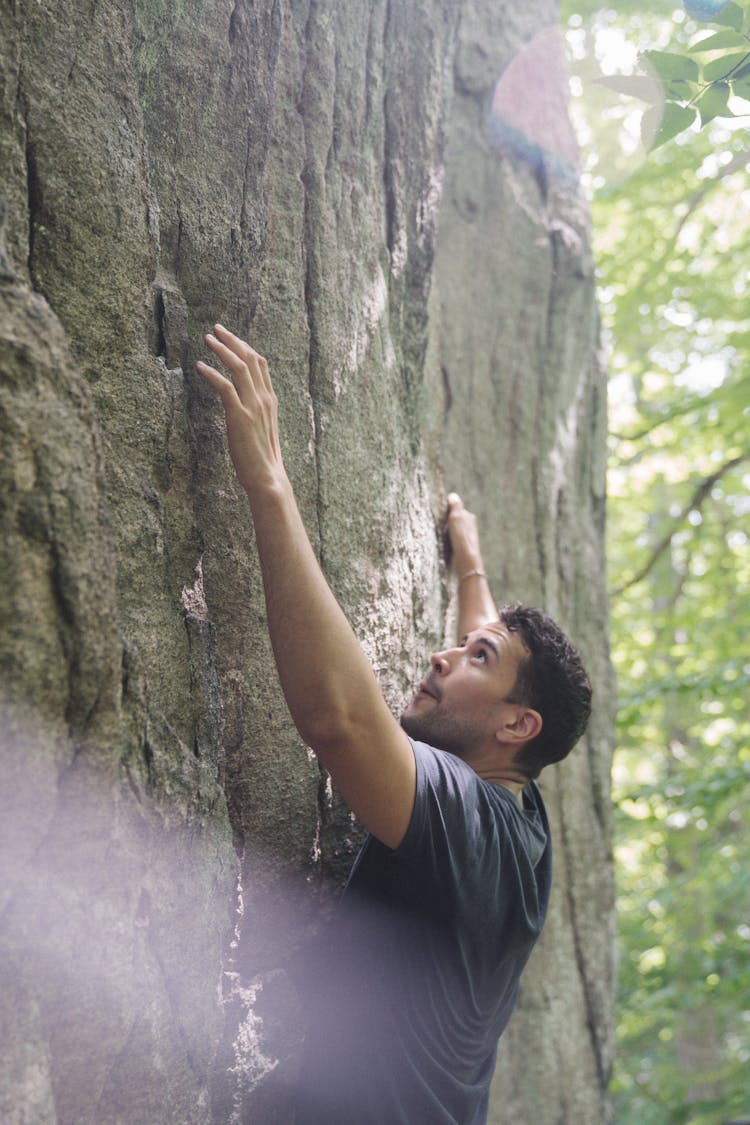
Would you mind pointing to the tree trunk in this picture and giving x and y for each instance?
(284, 167)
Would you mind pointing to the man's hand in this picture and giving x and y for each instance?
(251, 409)
(476, 606)
(463, 534)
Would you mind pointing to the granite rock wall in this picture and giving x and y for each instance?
(382, 197)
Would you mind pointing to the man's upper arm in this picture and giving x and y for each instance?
(372, 765)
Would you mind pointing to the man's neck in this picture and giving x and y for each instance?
(510, 780)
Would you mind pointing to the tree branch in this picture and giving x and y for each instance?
(655, 265)
(696, 403)
(693, 504)
(740, 160)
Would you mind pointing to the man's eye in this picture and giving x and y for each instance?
(481, 654)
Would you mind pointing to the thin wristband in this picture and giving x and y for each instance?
(470, 574)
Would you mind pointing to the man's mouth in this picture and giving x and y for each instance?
(426, 688)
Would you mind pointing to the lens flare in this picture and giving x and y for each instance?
(529, 113)
(704, 9)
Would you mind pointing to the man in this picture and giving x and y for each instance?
(449, 893)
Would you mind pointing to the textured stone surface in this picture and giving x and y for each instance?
(333, 181)
(514, 367)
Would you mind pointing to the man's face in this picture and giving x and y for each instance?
(460, 703)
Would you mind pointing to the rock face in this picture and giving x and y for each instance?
(382, 197)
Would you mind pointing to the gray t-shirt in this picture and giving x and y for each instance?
(426, 954)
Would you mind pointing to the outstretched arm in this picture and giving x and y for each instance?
(331, 690)
(476, 606)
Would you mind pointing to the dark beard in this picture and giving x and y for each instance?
(444, 732)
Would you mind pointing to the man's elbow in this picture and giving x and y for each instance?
(325, 733)
(344, 721)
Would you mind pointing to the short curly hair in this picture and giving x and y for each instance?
(551, 680)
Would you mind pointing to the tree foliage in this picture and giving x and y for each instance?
(699, 84)
(672, 240)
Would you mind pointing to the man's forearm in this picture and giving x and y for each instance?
(325, 676)
(476, 606)
(324, 673)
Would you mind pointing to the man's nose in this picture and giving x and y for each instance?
(439, 663)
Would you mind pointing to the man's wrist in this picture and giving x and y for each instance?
(473, 572)
(464, 562)
(271, 489)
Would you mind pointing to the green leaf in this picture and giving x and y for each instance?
(633, 86)
(722, 67)
(742, 87)
(741, 71)
(720, 40)
(731, 15)
(669, 66)
(714, 103)
(659, 126)
(679, 90)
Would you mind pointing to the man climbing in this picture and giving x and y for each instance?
(450, 890)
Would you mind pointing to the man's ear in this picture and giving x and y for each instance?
(520, 725)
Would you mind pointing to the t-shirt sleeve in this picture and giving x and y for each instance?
(452, 820)
(447, 790)
(465, 845)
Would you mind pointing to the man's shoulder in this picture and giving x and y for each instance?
(436, 766)
(447, 779)
(450, 795)
(432, 757)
